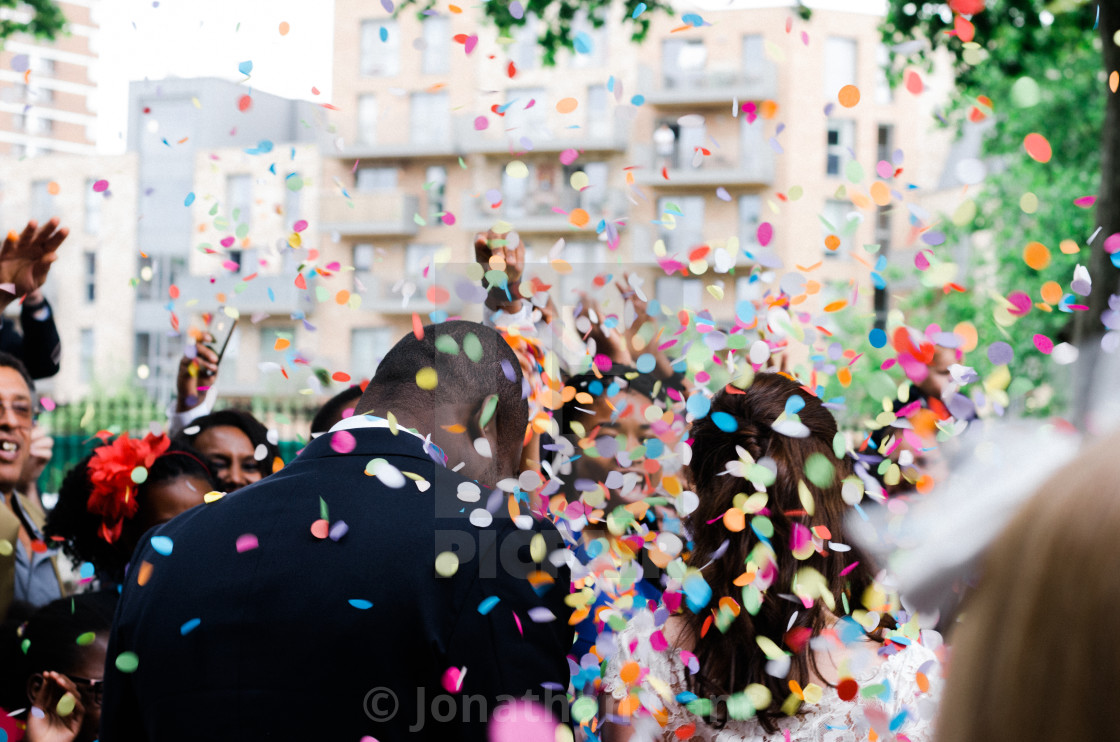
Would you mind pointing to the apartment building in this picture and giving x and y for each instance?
(47, 88)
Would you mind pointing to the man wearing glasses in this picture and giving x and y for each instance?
(28, 571)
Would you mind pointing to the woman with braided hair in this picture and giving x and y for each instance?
(783, 632)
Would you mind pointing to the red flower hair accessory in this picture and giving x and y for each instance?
(115, 471)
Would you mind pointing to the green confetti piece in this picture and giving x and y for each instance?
(446, 344)
(127, 662)
(84, 640)
(472, 346)
(324, 513)
(838, 445)
(762, 525)
(584, 708)
(488, 409)
(819, 470)
(66, 704)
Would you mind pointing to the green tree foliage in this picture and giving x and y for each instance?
(1028, 70)
(555, 18)
(46, 20)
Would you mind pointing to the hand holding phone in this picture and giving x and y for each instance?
(198, 373)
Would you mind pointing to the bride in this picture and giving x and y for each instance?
(785, 635)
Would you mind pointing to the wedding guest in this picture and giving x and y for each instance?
(764, 648)
(1033, 650)
(102, 511)
(235, 446)
(377, 578)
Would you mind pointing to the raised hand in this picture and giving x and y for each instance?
(493, 252)
(202, 370)
(47, 694)
(25, 259)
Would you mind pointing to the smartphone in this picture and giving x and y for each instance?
(225, 343)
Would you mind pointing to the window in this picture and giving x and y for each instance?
(85, 356)
(752, 144)
(435, 183)
(42, 66)
(592, 198)
(590, 43)
(375, 179)
(682, 222)
(363, 266)
(839, 65)
(146, 290)
(239, 199)
(437, 45)
(837, 218)
(367, 119)
(142, 349)
(841, 142)
(587, 259)
(368, 345)
(430, 119)
(42, 202)
(523, 50)
(883, 92)
(380, 49)
(750, 216)
(93, 209)
(515, 193)
(89, 275)
(527, 114)
(677, 293)
(883, 228)
(683, 62)
(269, 336)
(293, 206)
(884, 148)
(598, 116)
(754, 58)
(419, 257)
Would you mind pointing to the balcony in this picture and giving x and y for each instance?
(716, 86)
(385, 214)
(273, 294)
(598, 136)
(384, 296)
(431, 147)
(753, 168)
(544, 213)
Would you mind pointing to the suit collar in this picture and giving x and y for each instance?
(369, 442)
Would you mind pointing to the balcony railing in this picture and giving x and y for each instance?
(544, 213)
(273, 294)
(387, 214)
(386, 295)
(717, 85)
(729, 166)
(608, 135)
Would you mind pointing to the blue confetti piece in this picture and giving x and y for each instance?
(794, 404)
(698, 405)
(383, 33)
(646, 363)
(271, 294)
(877, 337)
(361, 604)
(86, 571)
(1115, 258)
(899, 720)
(610, 84)
(744, 310)
(878, 280)
(693, 20)
(163, 545)
(641, 8)
(488, 604)
(583, 43)
(638, 100)
(725, 422)
(189, 626)
(189, 199)
(697, 592)
(245, 67)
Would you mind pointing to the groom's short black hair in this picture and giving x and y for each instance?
(472, 363)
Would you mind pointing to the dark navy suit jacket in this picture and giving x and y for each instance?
(307, 638)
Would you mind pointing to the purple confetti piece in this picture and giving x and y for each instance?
(338, 530)
(507, 369)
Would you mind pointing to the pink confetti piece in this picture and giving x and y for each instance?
(246, 542)
(300, 225)
(1044, 344)
(568, 156)
(765, 233)
(100, 186)
(343, 441)
(517, 620)
(849, 568)
(1085, 201)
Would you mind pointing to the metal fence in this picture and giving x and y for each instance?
(74, 426)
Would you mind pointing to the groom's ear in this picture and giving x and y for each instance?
(484, 424)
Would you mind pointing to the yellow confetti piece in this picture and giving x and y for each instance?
(447, 564)
(213, 496)
(426, 378)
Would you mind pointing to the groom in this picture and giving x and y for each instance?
(379, 586)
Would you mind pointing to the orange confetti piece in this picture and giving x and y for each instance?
(579, 218)
(1036, 255)
(342, 297)
(810, 268)
(734, 520)
(285, 27)
(630, 672)
(144, 573)
(880, 193)
(454, 428)
(417, 326)
(832, 242)
(53, 188)
(1037, 147)
(844, 376)
(566, 105)
(848, 96)
(1051, 292)
(454, 8)
(836, 306)
(1114, 81)
(964, 29)
(341, 376)
(281, 344)
(922, 681)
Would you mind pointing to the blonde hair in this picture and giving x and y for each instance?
(1037, 653)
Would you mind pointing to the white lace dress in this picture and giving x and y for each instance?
(898, 710)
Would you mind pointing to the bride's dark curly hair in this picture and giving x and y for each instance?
(731, 659)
